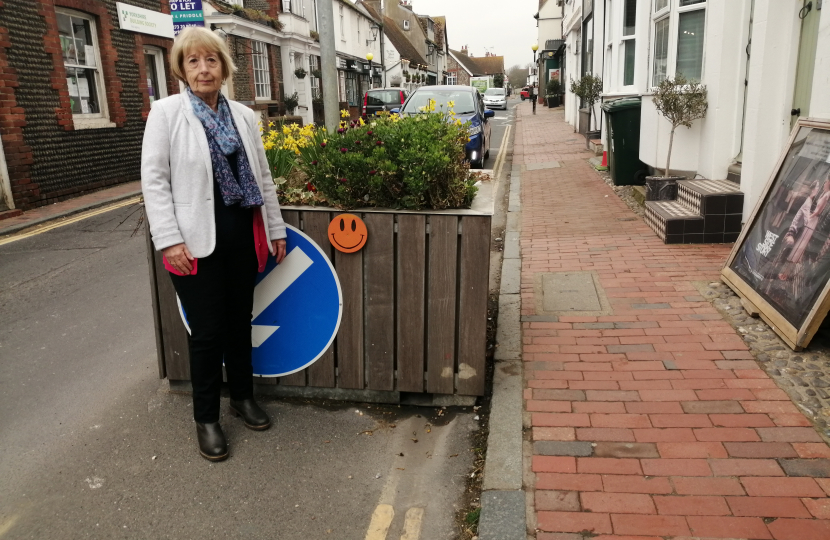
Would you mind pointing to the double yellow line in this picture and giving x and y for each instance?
(68, 221)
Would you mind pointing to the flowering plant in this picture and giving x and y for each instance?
(403, 162)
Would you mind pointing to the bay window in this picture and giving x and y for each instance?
(679, 33)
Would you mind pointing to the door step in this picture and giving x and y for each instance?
(705, 212)
(734, 173)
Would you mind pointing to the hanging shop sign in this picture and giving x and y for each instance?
(781, 261)
(186, 13)
(144, 21)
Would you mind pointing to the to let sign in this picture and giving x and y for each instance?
(145, 21)
(186, 13)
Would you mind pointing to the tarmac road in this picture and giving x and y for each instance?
(498, 128)
(93, 446)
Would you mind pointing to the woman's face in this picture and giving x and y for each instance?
(203, 70)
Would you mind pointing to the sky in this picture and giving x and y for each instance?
(503, 28)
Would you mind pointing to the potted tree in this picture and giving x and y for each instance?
(291, 102)
(589, 89)
(300, 73)
(552, 91)
(681, 102)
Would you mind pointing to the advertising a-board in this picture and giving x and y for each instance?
(482, 83)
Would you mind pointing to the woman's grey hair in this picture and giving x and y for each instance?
(195, 38)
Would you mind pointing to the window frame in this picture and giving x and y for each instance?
(672, 13)
(316, 84)
(452, 78)
(101, 118)
(624, 39)
(259, 55)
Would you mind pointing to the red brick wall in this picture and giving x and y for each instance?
(12, 121)
(455, 67)
(49, 159)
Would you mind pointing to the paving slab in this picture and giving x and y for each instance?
(502, 516)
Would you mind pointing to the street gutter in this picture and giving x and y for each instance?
(503, 499)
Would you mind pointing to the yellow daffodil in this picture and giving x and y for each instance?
(344, 113)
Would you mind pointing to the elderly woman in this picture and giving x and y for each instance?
(213, 212)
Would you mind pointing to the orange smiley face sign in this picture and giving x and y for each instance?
(347, 233)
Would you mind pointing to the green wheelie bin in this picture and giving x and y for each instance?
(622, 117)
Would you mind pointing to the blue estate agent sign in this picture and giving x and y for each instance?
(297, 308)
(186, 13)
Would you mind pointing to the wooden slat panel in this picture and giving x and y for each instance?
(411, 286)
(379, 306)
(441, 298)
(315, 225)
(292, 217)
(151, 265)
(472, 305)
(349, 268)
(174, 334)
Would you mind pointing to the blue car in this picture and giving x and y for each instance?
(468, 107)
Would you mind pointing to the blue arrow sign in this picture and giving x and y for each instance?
(297, 308)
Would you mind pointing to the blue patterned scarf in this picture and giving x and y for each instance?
(223, 140)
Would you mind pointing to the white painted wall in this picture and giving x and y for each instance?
(820, 101)
(352, 41)
(775, 37)
(571, 32)
(550, 23)
(724, 67)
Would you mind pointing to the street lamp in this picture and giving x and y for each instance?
(533, 98)
(369, 57)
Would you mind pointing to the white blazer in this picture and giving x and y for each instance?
(177, 176)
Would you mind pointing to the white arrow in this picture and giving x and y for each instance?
(274, 284)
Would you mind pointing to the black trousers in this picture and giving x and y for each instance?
(218, 302)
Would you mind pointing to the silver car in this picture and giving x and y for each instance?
(495, 98)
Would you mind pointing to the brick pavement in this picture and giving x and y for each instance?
(652, 422)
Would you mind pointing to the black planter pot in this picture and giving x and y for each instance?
(552, 101)
(659, 188)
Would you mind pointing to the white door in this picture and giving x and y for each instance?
(300, 84)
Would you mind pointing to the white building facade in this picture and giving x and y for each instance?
(764, 63)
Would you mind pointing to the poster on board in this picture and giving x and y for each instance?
(781, 262)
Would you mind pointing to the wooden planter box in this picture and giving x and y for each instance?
(414, 307)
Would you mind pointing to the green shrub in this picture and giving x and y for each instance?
(401, 162)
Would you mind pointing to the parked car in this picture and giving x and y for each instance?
(382, 99)
(469, 107)
(525, 94)
(495, 98)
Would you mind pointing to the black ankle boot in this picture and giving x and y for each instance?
(254, 417)
(212, 443)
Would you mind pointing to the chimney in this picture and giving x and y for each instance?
(464, 50)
